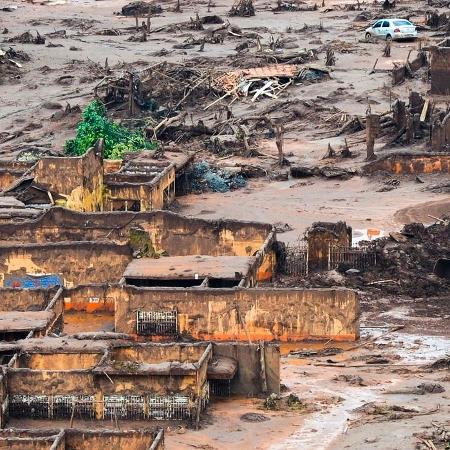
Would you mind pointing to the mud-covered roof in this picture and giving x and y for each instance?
(24, 321)
(190, 267)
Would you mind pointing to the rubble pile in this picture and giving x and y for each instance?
(28, 38)
(406, 262)
(161, 88)
(269, 81)
(10, 65)
(140, 8)
(243, 8)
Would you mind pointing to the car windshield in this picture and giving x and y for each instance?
(399, 23)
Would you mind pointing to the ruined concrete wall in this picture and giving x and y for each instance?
(157, 353)
(25, 299)
(26, 443)
(440, 134)
(240, 314)
(78, 262)
(58, 361)
(128, 197)
(412, 164)
(11, 171)
(89, 298)
(440, 71)
(175, 234)
(248, 380)
(320, 236)
(106, 439)
(79, 178)
(163, 193)
(79, 382)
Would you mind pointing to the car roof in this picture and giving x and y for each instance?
(395, 18)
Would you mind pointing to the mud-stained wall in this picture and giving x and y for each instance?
(79, 382)
(11, 171)
(155, 354)
(77, 262)
(80, 179)
(440, 133)
(175, 234)
(74, 439)
(12, 299)
(240, 314)
(248, 380)
(440, 69)
(105, 439)
(58, 361)
(26, 443)
(411, 164)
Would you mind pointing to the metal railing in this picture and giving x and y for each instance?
(157, 323)
(359, 258)
(296, 263)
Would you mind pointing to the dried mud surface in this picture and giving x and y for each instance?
(40, 107)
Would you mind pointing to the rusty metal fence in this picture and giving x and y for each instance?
(113, 407)
(296, 263)
(297, 258)
(359, 258)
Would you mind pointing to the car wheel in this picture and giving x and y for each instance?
(388, 37)
(368, 36)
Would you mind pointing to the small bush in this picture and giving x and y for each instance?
(118, 139)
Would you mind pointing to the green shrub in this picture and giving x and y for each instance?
(118, 139)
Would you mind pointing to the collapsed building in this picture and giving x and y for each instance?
(192, 277)
(90, 183)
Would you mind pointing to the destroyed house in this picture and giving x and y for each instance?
(94, 381)
(77, 439)
(74, 378)
(162, 276)
(99, 248)
(89, 183)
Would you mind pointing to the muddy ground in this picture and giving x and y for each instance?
(348, 402)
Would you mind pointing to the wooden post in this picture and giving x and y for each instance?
(130, 96)
(262, 359)
(372, 127)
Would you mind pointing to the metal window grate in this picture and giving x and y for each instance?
(296, 263)
(31, 406)
(356, 257)
(220, 388)
(157, 323)
(174, 407)
(66, 406)
(124, 407)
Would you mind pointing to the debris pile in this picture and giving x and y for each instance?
(161, 88)
(10, 65)
(28, 38)
(242, 8)
(269, 81)
(207, 178)
(406, 261)
(140, 8)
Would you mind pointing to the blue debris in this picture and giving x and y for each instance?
(205, 177)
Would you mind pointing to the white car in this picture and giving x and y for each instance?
(390, 29)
